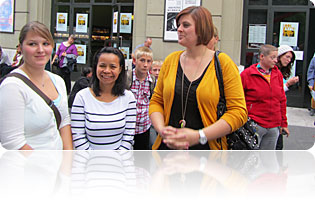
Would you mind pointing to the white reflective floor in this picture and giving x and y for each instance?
(157, 174)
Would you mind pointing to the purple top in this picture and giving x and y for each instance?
(70, 50)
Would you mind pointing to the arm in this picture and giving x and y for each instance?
(79, 136)
(66, 137)
(311, 74)
(12, 115)
(128, 135)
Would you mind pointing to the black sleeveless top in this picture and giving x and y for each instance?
(192, 116)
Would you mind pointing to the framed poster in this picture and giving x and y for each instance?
(288, 33)
(125, 51)
(61, 21)
(7, 16)
(125, 22)
(256, 35)
(172, 8)
(81, 49)
(115, 20)
(81, 23)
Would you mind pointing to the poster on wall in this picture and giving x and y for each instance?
(81, 49)
(289, 33)
(81, 23)
(172, 8)
(62, 21)
(125, 51)
(115, 20)
(125, 22)
(7, 16)
(256, 35)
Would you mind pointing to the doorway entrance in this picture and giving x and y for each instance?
(263, 24)
(91, 21)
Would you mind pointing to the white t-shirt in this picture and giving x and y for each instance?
(25, 118)
(101, 125)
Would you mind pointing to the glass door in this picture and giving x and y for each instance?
(81, 30)
(289, 29)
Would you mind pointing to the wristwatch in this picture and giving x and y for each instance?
(202, 137)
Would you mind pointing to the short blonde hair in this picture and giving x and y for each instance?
(143, 51)
(157, 62)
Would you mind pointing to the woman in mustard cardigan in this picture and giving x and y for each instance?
(183, 108)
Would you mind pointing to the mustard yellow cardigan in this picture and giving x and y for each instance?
(207, 95)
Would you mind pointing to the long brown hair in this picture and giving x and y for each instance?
(286, 71)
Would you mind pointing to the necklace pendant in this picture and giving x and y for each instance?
(182, 123)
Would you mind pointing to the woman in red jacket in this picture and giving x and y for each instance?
(265, 97)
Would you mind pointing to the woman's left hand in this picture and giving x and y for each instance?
(286, 130)
(183, 139)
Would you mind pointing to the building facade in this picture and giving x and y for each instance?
(243, 25)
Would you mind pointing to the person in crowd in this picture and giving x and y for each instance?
(4, 58)
(155, 68)
(103, 116)
(147, 43)
(5, 64)
(142, 83)
(286, 58)
(213, 43)
(67, 54)
(81, 83)
(183, 108)
(18, 57)
(26, 120)
(310, 80)
(265, 97)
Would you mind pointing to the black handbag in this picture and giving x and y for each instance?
(244, 138)
(56, 62)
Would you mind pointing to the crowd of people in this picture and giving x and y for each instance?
(111, 107)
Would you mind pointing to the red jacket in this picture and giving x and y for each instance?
(266, 102)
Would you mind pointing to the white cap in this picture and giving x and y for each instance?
(284, 49)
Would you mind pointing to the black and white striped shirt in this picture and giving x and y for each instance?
(101, 125)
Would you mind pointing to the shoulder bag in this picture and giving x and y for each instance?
(57, 60)
(243, 138)
(39, 92)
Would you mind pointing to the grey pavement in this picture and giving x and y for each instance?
(302, 129)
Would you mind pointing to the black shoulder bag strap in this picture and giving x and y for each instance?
(39, 92)
(221, 108)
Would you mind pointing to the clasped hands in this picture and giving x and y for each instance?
(179, 138)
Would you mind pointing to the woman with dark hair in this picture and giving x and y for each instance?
(103, 116)
(183, 108)
(286, 58)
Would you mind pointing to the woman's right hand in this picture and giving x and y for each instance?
(293, 80)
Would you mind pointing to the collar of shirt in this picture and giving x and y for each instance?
(261, 70)
(148, 78)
